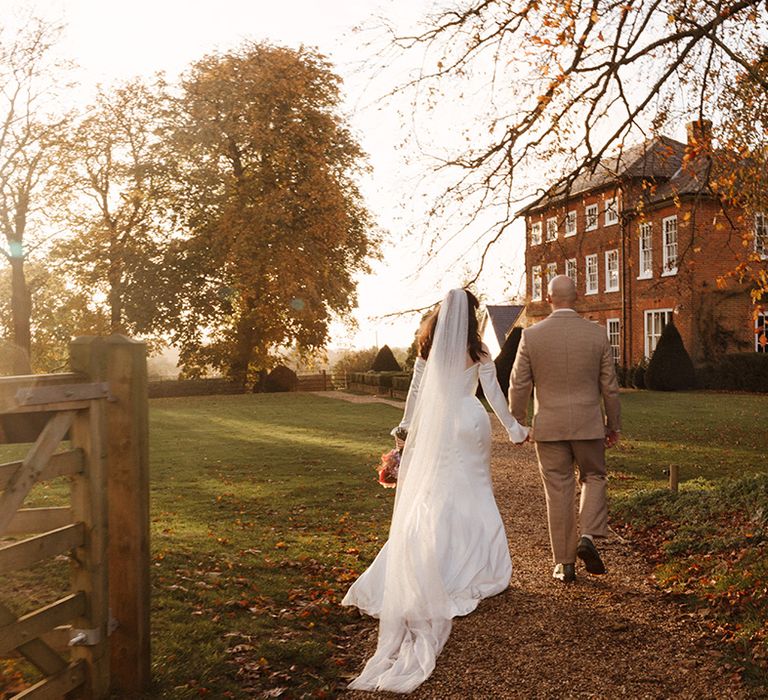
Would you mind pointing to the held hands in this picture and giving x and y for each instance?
(527, 437)
(612, 438)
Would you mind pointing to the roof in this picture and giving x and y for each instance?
(502, 319)
(691, 178)
(659, 158)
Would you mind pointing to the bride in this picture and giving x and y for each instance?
(447, 548)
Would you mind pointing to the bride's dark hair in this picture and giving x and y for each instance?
(474, 344)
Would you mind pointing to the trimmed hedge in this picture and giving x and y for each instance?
(402, 383)
(670, 368)
(637, 376)
(281, 378)
(746, 371)
(385, 380)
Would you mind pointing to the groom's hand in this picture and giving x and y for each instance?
(611, 438)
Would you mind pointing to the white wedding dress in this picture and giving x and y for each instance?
(447, 548)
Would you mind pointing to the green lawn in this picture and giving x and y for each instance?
(710, 541)
(708, 435)
(265, 508)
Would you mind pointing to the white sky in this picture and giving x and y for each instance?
(117, 40)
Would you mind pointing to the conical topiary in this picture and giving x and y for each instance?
(385, 361)
(506, 358)
(670, 368)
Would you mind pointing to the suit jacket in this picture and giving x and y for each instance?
(568, 360)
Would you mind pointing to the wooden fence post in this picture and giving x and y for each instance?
(89, 572)
(674, 477)
(122, 363)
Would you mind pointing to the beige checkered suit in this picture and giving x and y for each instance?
(567, 361)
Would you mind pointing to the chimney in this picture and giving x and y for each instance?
(699, 133)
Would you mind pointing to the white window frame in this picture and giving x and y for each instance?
(761, 323)
(536, 233)
(761, 234)
(572, 270)
(551, 272)
(550, 231)
(591, 213)
(536, 283)
(613, 329)
(609, 273)
(571, 223)
(611, 211)
(588, 262)
(667, 246)
(653, 338)
(645, 250)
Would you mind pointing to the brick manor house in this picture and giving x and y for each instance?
(645, 241)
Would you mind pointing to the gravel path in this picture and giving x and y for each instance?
(609, 637)
(358, 398)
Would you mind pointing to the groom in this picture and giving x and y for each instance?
(569, 362)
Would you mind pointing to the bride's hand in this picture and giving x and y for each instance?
(527, 432)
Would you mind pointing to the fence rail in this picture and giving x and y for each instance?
(322, 381)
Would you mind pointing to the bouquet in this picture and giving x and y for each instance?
(389, 468)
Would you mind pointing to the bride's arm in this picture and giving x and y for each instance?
(492, 391)
(413, 392)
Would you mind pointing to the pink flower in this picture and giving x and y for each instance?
(389, 468)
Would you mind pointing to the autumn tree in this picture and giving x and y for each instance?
(61, 312)
(558, 85)
(275, 229)
(30, 131)
(117, 174)
(742, 174)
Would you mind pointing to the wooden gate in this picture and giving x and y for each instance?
(74, 412)
(91, 427)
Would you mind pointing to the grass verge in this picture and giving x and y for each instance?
(263, 509)
(708, 543)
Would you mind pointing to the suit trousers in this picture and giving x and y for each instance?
(556, 463)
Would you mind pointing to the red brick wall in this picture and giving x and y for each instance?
(709, 245)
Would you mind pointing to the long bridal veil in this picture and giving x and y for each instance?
(416, 608)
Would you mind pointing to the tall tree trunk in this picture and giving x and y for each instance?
(243, 350)
(115, 307)
(115, 279)
(21, 312)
